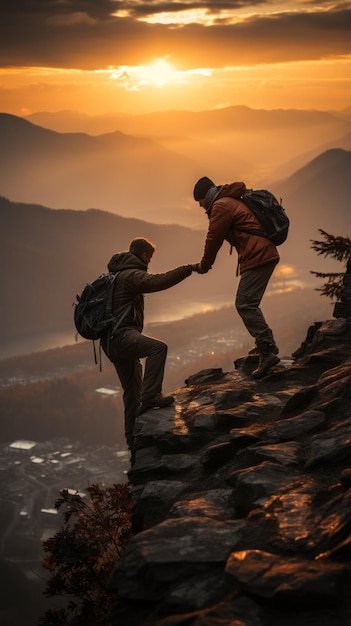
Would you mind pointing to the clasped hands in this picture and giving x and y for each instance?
(196, 267)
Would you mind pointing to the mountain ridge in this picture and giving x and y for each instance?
(149, 170)
(240, 113)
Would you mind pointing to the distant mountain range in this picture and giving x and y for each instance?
(146, 166)
(123, 174)
(189, 123)
(47, 255)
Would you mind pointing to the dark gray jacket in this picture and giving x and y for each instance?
(133, 281)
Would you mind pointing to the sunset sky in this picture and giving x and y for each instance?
(101, 56)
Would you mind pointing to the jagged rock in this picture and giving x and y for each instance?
(236, 417)
(333, 446)
(332, 336)
(300, 400)
(291, 512)
(255, 485)
(243, 437)
(242, 494)
(178, 462)
(204, 419)
(341, 551)
(151, 464)
(332, 518)
(157, 559)
(229, 397)
(193, 404)
(336, 384)
(346, 477)
(205, 376)
(295, 427)
(285, 453)
(159, 426)
(216, 504)
(339, 373)
(217, 455)
(197, 593)
(327, 357)
(271, 399)
(155, 500)
(331, 328)
(289, 580)
(306, 345)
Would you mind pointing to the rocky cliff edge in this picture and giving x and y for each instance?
(242, 497)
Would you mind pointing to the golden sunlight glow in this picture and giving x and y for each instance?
(158, 74)
(241, 555)
(312, 84)
(122, 13)
(285, 279)
(180, 18)
(285, 271)
(206, 17)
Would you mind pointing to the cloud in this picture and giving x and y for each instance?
(87, 34)
(285, 272)
(72, 18)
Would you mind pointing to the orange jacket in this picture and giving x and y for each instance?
(226, 216)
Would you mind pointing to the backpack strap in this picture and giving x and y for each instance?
(258, 233)
(95, 357)
(100, 361)
(110, 299)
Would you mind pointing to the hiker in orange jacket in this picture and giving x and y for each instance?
(230, 219)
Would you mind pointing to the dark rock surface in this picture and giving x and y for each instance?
(242, 497)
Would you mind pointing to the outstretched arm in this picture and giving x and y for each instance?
(149, 283)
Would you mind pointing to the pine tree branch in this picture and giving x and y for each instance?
(337, 247)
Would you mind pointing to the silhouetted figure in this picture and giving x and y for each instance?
(128, 345)
(229, 218)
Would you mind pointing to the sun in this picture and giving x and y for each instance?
(158, 73)
(136, 77)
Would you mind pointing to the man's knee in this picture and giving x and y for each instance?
(157, 351)
(160, 348)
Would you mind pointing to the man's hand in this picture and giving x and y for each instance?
(196, 267)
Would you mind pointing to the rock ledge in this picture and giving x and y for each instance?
(243, 497)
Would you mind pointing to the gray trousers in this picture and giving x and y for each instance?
(252, 285)
(125, 351)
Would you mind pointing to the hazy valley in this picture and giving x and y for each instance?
(145, 166)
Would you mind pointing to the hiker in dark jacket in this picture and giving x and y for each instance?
(257, 258)
(128, 345)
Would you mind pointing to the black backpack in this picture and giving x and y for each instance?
(93, 308)
(93, 316)
(270, 213)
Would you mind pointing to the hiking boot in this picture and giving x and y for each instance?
(266, 362)
(255, 351)
(157, 402)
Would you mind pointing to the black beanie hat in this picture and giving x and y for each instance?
(201, 188)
